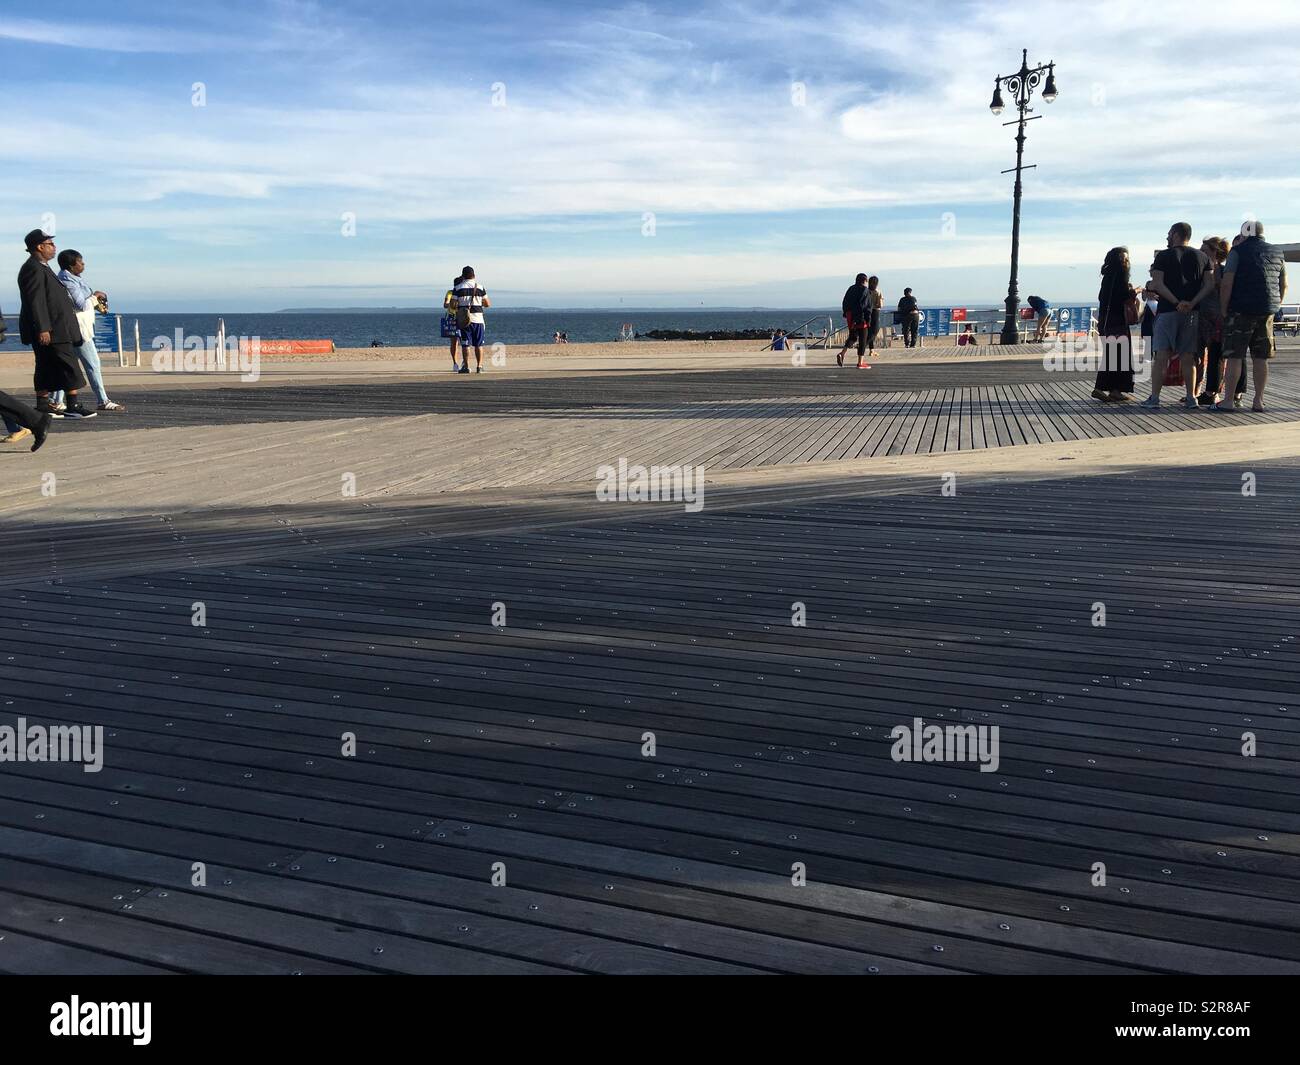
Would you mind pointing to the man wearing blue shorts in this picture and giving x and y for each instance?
(471, 299)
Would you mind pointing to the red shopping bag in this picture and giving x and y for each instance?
(1174, 371)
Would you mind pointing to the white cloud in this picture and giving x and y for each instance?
(98, 36)
(686, 115)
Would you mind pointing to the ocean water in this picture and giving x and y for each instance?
(402, 328)
(405, 328)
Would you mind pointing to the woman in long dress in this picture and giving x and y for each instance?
(1115, 377)
(876, 301)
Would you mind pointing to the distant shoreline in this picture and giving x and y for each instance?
(975, 306)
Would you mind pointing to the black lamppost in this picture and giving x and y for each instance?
(1021, 86)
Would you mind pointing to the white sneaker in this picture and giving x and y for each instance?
(110, 405)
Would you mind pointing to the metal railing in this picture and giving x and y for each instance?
(822, 341)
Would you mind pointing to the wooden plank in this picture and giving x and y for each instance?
(25, 955)
(1118, 744)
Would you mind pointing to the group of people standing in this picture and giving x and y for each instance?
(57, 319)
(1208, 307)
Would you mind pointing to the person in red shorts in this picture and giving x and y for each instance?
(857, 314)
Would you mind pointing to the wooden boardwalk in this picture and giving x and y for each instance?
(519, 749)
(206, 470)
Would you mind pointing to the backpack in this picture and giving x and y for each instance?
(464, 310)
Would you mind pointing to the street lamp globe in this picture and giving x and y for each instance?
(1049, 90)
(995, 105)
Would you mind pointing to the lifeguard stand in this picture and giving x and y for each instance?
(625, 332)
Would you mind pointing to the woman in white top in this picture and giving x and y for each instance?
(85, 299)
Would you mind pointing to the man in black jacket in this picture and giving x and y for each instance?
(48, 322)
(858, 317)
(909, 315)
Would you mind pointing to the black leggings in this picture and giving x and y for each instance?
(857, 334)
(873, 328)
(1214, 370)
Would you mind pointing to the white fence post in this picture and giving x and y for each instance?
(137, 341)
(121, 351)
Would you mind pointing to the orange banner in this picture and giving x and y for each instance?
(286, 347)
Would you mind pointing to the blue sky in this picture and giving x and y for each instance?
(657, 154)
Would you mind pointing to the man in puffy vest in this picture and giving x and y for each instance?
(1254, 284)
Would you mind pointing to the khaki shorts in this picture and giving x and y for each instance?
(1248, 332)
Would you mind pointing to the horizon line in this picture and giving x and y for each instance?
(977, 305)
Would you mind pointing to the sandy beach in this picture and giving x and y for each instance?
(662, 356)
(608, 349)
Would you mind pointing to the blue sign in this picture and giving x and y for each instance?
(935, 322)
(1073, 319)
(105, 332)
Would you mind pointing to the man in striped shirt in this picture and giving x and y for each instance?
(471, 299)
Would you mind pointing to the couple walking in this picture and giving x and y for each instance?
(57, 320)
(861, 307)
(464, 323)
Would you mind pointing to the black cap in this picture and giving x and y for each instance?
(35, 237)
